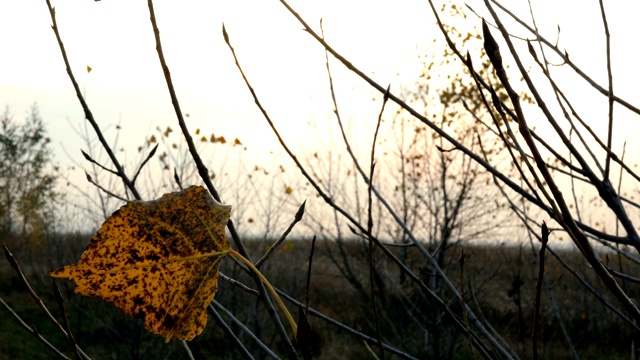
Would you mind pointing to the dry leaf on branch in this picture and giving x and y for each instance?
(158, 260)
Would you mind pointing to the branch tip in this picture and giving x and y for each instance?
(153, 151)
(12, 261)
(532, 51)
(300, 211)
(491, 47)
(225, 35)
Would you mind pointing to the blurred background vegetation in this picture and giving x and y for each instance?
(458, 269)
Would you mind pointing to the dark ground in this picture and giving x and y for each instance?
(502, 280)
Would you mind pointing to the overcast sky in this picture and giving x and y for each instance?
(285, 65)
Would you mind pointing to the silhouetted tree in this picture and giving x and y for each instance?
(27, 177)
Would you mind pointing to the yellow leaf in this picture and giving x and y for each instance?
(158, 260)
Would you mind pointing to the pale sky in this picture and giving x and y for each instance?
(284, 64)
(126, 85)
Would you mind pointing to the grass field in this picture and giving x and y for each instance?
(499, 287)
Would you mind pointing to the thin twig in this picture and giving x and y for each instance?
(60, 301)
(244, 328)
(372, 163)
(185, 345)
(509, 145)
(565, 58)
(149, 156)
(33, 331)
(373, 353)
(563, 328)
(237, 283)
(573, 272)
(607, 166)
(275, 245)
(350, 330)
(465, 317)
(536, 303)
(623, 276)
(306, 291)
(227, 330)
(486, 322)
(177, 178)
(524, 158)
(560, 98)
(112, 194)
(14, 264)
(90, 159)
(87, 112)
(591, 132)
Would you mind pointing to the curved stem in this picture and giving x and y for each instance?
(273, 292)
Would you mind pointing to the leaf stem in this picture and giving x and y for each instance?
(292, 323)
